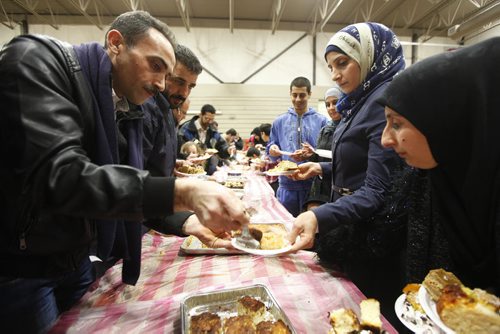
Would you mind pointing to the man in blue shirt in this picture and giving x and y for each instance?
(300, 124)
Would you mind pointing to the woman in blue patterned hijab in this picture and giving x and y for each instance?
(377, 51)
(360, 229)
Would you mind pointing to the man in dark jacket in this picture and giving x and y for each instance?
(199, 129)
(160, 139)
(74, 168)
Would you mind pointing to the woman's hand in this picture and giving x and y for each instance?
(304, 226)
(193, 226)
(306, 171)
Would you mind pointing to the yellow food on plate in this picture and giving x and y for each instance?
(270, 236)
(191, 169)
(462, 309)
(284, 166)
(411, 292)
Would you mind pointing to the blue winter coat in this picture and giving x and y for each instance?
(285, 133)
(360, 164)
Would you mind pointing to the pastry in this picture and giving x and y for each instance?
(205, 323)
(469, 311)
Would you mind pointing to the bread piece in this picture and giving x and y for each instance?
(240, 324)
(469, 311)
(272, 327)
(252, 307)
(205, 323)
(344, 321)
(436, 280)
(411, 292)
(370, 315)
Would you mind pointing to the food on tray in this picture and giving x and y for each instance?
(239, 324)
(345, 321)
(411, 292)
(272, 327)
(252, 307)
(205, 323)
(211, 151)
(284, 166)
(462, 309)
(469, 311)
(191, 169)
(370, 315)
(436, 280)
(234, 184)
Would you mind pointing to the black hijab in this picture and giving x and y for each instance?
(454, 100)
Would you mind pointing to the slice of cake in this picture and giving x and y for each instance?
(469, 311)
(436, 280)
(344, 321)
(240, 324)
(252, 307)
(205, 323)
(272, 327)
(370, 315)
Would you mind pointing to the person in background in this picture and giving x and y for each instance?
(363, 58)
(256, 138)
(191, 150)
(74, 170)
(180, 112)
(321, 187)
(443, 117)
(265, 132)
(161, 114)
(199, 129)
(300, 124)
(253, 153)
(233, 138)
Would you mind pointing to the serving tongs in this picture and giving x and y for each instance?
(245, 239)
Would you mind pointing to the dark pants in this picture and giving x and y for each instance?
(32, 305)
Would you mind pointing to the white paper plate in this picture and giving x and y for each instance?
(413, 319)
(324, 153)
(429, 307)
(288, 172)
(261, 252)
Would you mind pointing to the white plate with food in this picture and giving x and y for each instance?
(280, 173)
(324, 153)
(413, 319)
(271, 236)
(429, 307)
(261, 252)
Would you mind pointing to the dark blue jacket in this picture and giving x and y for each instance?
(360, 164)
(160, 137)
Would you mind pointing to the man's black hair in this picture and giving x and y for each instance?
(301, 82)
(186, 57)
(135, 25)
(207, 108)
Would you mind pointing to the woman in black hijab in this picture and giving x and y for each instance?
(443, 115)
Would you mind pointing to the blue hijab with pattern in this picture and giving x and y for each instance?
(379, 54)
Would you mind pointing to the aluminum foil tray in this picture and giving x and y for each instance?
(224, 302)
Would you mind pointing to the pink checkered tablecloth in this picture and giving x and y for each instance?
(305, 290)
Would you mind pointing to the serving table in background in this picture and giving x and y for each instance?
(305, 290)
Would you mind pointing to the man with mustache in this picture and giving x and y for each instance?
(74, 174)
(160, 142)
